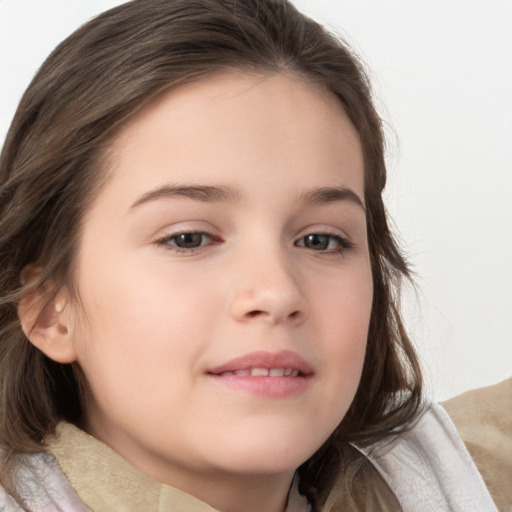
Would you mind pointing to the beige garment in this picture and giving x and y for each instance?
(483, 418)
(113, 484)
(106, 482)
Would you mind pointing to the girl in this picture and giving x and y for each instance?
(199, 305)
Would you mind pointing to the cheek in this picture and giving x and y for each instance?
(344, 315)
(345, 301)
(139, 296)
(140, 324)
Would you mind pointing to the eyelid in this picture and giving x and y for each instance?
(184, 226)
(323, 229)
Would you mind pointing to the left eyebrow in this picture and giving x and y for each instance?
(204, 193)
(322, 195)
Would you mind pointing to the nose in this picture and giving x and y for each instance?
(267, 289)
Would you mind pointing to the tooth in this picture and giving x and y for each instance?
(242, 372)
(294, 373)
(259, 372)
(227, 374)
(288, 372)
(276, 372)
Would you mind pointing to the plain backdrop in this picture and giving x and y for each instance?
(442, 74)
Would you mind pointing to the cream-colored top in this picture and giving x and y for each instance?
(483, 418)
(105, 481)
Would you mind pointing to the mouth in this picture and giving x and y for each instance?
(273, 375)
(265, 364)
(263, 372)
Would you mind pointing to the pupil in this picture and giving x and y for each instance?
(189, 240)
(317, 241)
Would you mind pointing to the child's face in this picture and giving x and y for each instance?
(230, 236)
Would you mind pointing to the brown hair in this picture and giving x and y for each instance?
(51, 166)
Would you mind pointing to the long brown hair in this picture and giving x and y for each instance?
(51, 166)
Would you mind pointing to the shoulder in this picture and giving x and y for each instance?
(359, 487)
(483, 418)
(429, 469)
(424, 469)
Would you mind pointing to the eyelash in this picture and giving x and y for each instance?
(166, 241)
(343, 245)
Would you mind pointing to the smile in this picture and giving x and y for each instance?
(265, 364)
(263, 372)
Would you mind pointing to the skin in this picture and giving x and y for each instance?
(155, 318)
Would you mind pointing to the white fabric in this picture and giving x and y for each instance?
(296, 501)
(43, 487)
(430, 470)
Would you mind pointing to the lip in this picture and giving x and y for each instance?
(268, 360)
(265, 386)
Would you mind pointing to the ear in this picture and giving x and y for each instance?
(47, 321)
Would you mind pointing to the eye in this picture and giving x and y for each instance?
(324, 242)
(187, 241)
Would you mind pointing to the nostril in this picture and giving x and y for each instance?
(294, 315)
(254, 313)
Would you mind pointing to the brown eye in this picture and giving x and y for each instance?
(189, 240)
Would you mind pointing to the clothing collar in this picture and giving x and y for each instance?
(105, 481)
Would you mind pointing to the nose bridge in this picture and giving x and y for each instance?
(268, 286)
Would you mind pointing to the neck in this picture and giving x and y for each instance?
(226, 491)
(243, 494)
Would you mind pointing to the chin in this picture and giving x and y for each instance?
(270, 451)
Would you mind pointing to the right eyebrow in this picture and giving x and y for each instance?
(204, 193)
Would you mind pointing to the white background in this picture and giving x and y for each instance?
(442, 72)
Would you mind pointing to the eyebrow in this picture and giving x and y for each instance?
(205, 193)
(323, 195)
(220, 193)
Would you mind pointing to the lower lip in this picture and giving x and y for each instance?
(268, 387)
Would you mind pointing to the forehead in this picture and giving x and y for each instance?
(236, 128)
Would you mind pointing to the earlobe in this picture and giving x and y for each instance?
(46, 322)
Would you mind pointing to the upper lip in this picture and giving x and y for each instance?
(268, 360)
